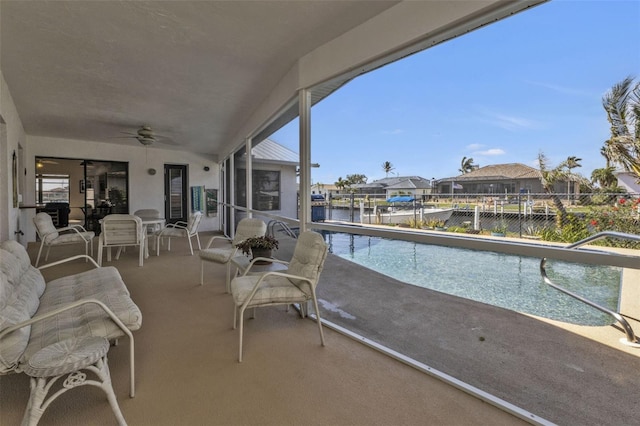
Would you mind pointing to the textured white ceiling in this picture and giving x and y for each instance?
(192, 70)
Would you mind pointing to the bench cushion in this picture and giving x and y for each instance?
(11, 313)
(105, 285)
(24, 294)
(21, 286)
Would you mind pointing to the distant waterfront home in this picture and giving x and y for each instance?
(497, 179)
(417, 186)
(628, 181)
(325, 190)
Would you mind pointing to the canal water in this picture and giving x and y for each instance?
(488, 221)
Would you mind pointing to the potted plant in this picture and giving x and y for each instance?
(258, 246)
(437, 224)
(499, 229)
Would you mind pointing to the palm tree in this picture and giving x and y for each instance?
(571, 163)
(548, 178)
(387, 167)
(622, 105)
(340, 183)
(604, 177)
(466, 165)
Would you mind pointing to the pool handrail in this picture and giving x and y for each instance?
(631, 337)
(271, 228)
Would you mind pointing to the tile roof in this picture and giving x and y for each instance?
(500, 172)
(398, 182)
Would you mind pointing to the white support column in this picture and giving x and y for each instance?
(304, 106)
(222, 195)
(249, 176)
(231, 174)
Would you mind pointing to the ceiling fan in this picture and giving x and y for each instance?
(40, 162)
(146, 136)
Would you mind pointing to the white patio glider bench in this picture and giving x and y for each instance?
(40, 322)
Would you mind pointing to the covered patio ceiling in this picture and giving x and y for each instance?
(196, 71)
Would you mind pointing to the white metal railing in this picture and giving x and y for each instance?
(631, 338)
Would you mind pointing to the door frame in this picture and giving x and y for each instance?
(169, 170)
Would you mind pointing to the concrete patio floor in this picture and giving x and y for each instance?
(568, 375)
(564, 373)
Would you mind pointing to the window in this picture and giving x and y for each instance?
(266, 189)
(52, 188)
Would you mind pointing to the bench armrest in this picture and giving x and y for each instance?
(71, 305)
(69, 259)
(75, 304)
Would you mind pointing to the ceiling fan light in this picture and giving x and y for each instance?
(145, 140)
(145, 132)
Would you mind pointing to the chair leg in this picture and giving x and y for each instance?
(198, 239)
(169, 244)
(46, 256)
(201, 272)
(318, 320)
(190, 246)
(39, 253)
(228, 277)
(235, 316)
(100, 255)
(240, 326)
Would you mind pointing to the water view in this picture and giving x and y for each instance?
(508, 281)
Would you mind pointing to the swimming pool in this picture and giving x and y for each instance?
(508, 281)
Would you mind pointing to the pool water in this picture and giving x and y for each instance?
(508, 281)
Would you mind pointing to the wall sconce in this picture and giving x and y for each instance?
(206, 168)
(152, 171)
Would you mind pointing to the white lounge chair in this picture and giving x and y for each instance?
(247, 228)
(297, 284)
(51, 236)
(180, 229)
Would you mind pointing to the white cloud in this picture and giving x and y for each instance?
(491, 152)
(507, 122)
(560, 89)
(475, 146)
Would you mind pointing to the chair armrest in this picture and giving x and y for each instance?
(274, 273)
(178, 224)
(218, 237)
(69, 259)
(72, 228)
(174, 225)
(71, 305)
(266, 259)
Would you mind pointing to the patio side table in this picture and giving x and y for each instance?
(68, 358)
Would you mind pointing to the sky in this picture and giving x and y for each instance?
(527, 84)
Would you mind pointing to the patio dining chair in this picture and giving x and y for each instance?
(121, 230)
(181, 229)
(150, 213)
(296, 284)
(51, 236)
(247, 228)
